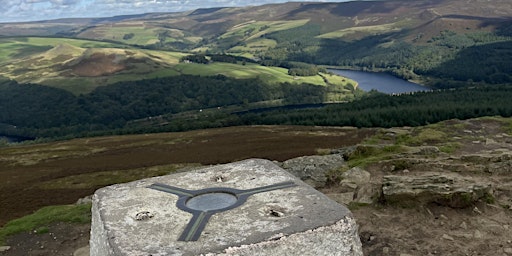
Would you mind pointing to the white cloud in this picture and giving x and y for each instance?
(30, 10)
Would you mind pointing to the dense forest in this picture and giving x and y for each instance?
(40, 111)
(177, 103)
(382, 110)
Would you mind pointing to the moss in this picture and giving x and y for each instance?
(508, 127)
(401, 165)
(430, 135)
(449, 148)
(466, 199)
(404, 139)
(356, 205)
(42, 230)
(367, 154)
(334, 176)
(488, 198)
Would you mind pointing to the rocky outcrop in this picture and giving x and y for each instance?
(445, 189)
(313, 169)
(357, 182)
(356, 187)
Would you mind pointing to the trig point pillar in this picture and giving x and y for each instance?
(252, 207)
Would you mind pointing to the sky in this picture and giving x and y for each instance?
(33, 10)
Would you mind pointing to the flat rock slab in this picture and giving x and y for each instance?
(448, 189)
(141, 218)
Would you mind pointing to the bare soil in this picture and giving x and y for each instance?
(61, 239)
(98, 64)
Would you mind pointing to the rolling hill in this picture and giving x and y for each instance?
(159, 66)
(411, 39)
(79, 65)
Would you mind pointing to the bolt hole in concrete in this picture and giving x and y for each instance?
(144, 215)
(276, 213)
(211, 201)
(220, 178)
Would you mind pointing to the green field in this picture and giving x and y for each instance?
(79, 66)
(364, 30)
(267, 74)
(253, 30)
(254, 46)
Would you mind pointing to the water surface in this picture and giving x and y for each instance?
(381, 82)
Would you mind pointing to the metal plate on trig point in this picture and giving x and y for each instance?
(191, 213)
(204, 203)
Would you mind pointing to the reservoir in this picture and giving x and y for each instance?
(14, 139)
(381, 82)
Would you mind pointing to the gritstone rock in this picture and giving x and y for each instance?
(313, 169)
(442, 188)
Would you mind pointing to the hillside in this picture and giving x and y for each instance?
(79, 66)
(452, 179)
(428, 40)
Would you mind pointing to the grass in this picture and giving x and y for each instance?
(372, 151)
(43, 217)
(142, 35)
(44, 65)
(252, 30)
(367, 30)
(44, 69)
(430, 135)
(449, 148)
(367, 154)
(425, 135)
(254, 46)
(505, 123)
(267, 74)
(19, 47)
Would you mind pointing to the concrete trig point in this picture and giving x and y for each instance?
(251, 207)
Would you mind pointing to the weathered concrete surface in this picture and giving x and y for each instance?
(307, 223)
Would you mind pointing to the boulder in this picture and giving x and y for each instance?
(446, 189)
(355, 186)
(84, 200)
(357, 182)
(365, 194)
(313, 169)
(356, 175)
(346, 152)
